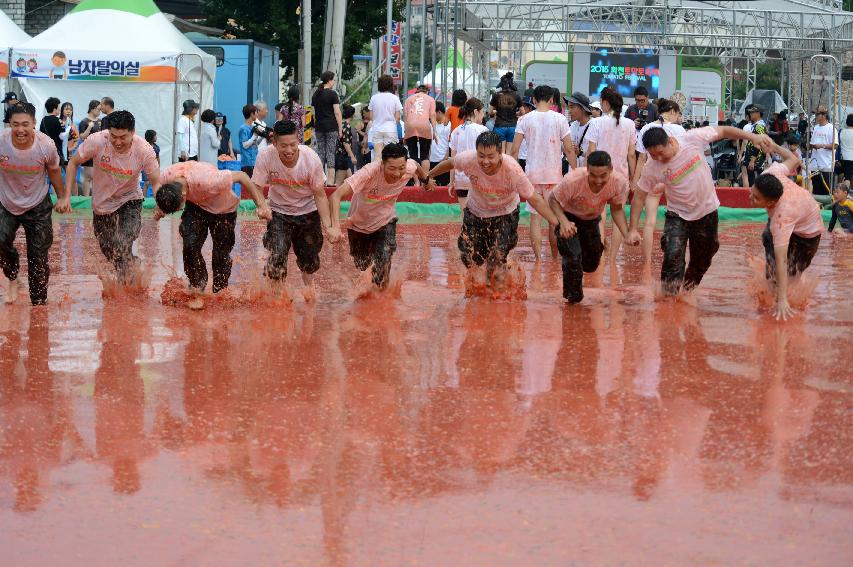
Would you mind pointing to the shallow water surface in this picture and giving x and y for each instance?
(427, 429)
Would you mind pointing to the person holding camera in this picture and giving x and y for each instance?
(250, 137)
(643, 110)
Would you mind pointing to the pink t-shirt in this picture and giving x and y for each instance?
(796, 211)
(373, 198)
(116, 176)
(574, 195)
(291, 188)
(462, 139)
(23, 173)
(207, 187)
(686, 178)
(493, 195)
(544, 133)
(418, 110)
(615, 139)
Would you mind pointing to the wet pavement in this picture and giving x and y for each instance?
(427, 429)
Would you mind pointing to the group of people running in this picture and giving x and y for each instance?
(604, 168)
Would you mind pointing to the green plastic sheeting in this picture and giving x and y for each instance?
(406, 209)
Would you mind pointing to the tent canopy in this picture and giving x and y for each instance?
(10, 34)
(134, 55)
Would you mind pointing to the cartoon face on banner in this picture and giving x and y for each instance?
(81, 66)
(625, 71)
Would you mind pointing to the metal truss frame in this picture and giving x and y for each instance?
(739, 33)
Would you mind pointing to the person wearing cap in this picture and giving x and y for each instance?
(823, 142)
(10, 100)
(753, 157)
(595, 107)
(419, 119)
(580, 113)
(186, 138)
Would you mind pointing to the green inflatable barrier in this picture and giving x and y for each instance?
(408, 210)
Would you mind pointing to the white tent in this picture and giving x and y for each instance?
(10, 35)
(126, 50)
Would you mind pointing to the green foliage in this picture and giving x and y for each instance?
(767, 75)
(277, 22)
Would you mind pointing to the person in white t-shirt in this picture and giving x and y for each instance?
(263, 112)
(527, 106)
(441, 142)
(619, 139)
(845, 139)
(385, 106)
(580, 112)
(824, 141)
(463, 139)
(186, 139)
(547, 135)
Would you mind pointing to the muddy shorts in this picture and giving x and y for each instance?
(116, 233)
(701, 236)
(301, 232)
(38, 231)
(374, 249)
(487, 240)
(580, 253)
(196, 223)
(801, 251)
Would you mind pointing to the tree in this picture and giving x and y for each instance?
(277, 22)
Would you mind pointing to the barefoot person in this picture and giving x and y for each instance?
(27, 160)
(490, 219)
(678, 169)
(372, 230)
(578, 201)
(210, 206)
(794, 225)
(119, 157)
(548, 137)
(300, 210)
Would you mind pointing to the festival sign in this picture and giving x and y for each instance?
(92, 66)
(396, 52)
(624, 71)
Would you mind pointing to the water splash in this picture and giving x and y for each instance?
(506, 282)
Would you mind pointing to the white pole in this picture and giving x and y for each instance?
(388, 25)
(306, 51)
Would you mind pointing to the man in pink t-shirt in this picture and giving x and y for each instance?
(419, 112)
(210, 206)
(119, 157)
(372, 231)
(300, 209)
(578, 201)
(677, 168)
(27, 159)
(794, 225)
(490, 219)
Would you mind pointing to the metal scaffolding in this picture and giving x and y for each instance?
(739, 33)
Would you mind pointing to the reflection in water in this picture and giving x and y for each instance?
(428, 429)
